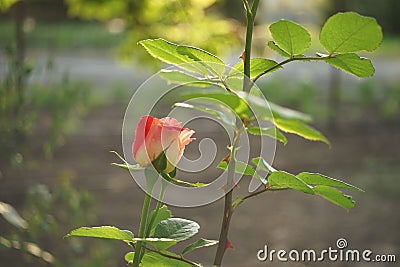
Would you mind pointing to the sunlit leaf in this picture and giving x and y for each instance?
(153, 259)
(129, 257)
(181, 78)
(189, 184)
(164, 51)
(217, 112)
(284, 179)
(353, 64)
(287, 113)
(108, 232)
(126, 165)
(335, 196)
(319, 179)
(301, 129)
(167, 52)
(263, 165)
(230, 99)
(273, 46)
(257, 66)
(201, 243)
(129, 167)
(176, 228)
(349, 32)
(242, 168)
(187, 57)
(269, 131)
(268, 110)
(290, 37)
(158, 243)
(213, 63)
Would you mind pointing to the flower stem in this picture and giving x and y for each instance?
(223, 235)
(143, 219)
(151, 178)
(158, 206)
(250, 17)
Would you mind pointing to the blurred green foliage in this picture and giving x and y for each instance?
(6, 4)
(50, 213)
(369, 100)
(195, 22)
(45, 112)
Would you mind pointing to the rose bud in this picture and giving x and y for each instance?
(154, 136)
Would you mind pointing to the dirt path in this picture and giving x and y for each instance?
(280, 220)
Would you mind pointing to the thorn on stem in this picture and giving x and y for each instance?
(243, 56)
(224, 187)
(229, 245)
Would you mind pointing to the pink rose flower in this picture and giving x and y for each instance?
(153, 136)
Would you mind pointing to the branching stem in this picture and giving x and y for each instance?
(280, 64)
(250, 17)
(180, 258)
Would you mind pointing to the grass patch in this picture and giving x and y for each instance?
(63, 35)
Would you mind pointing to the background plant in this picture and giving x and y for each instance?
(49, 212)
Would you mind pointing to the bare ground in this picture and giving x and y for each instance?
(363, 153)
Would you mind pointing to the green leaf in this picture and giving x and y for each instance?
(273, 46)
(12, 216)
(199, 244)
(164, 51)
(167, 52)
(270, 131)
(353, 64)
(152, 259)
(158, 243)
(290, 37)
(201, 61)
(108, 232)
(213, 63)
(241, 168)
(301, 129)
(185, 183)
(176, 228)
(319, 179)
(230, 99)
(335, 196)
(284, 179)
(220, 115)
(129, 257)
(257, 67)
(287, 113)
(349, 32)
(163, 214)
(181, 78)
(126, 165)
(263, 165)
(129, 167)
(269, 111)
